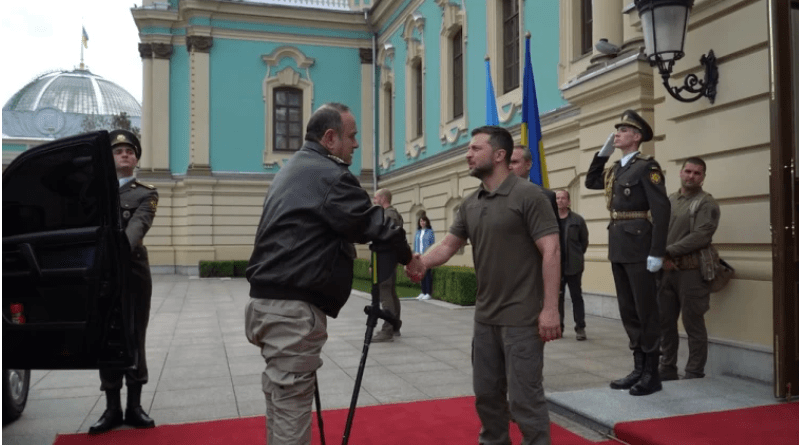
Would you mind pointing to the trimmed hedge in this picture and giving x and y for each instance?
(217, 268)
(455, 284)
(361, 270)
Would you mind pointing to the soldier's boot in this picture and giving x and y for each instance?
(632, 378)
(112, 416)
(650, 380)
(134, 413)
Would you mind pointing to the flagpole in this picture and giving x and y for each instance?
(81, 50)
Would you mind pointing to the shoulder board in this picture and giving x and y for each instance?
(147, 186)
(646, 157)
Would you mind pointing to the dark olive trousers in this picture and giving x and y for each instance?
(684, 292)
(638, 305)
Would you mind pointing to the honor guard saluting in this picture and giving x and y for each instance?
(138, 203)
(639, 219)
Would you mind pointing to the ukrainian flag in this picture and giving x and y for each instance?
(492, 116)
(84, 38)
(531, 124)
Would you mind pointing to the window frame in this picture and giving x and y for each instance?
(586, 27)
(452, 125)
(295, 74)
(275, 118)
(415, 85)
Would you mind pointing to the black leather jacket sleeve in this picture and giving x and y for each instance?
(348, 211)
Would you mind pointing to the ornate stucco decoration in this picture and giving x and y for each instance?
(286, 77)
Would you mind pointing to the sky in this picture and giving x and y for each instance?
(45, 35)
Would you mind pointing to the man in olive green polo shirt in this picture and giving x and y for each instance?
(516, 252)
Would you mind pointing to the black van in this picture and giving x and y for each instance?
(65, 265)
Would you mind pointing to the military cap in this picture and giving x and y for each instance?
(631, 119)
(118, 137)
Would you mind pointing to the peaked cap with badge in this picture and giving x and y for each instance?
(632, 119)
(119, 137)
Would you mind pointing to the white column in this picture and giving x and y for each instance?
(146, 53)
(162, 52)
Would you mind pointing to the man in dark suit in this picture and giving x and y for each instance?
(639, 221)
(138, 202)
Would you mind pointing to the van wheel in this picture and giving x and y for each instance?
(15, 393)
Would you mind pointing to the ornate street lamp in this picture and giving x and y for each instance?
(665, 24)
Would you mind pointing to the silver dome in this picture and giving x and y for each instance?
(55, 104)
(77, 91)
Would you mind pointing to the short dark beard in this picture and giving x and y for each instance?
(481, 171)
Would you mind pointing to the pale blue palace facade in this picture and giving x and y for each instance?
(229, 64)
(229, 87)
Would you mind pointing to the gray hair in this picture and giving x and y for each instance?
(326, 117)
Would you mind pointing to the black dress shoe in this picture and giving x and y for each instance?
(137, 418)
(110, 419)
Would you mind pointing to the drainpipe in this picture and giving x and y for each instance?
(376, 152)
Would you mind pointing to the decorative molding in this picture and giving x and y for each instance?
(415, 147)
(279, 53)
(287, 77)
(162, 50)
(366, 55)
(453, 19)
(145, 50)
(414, 143)
(385, 59)
(200, 44)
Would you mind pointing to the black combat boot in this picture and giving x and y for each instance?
(112, 416)
(650, 380)
(134, 413)
(632, 378)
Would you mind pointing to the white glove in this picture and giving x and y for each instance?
(653, 264)
(608, 148)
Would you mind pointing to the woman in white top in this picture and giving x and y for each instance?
(423, 240)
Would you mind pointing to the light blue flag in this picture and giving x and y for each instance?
(492, 116)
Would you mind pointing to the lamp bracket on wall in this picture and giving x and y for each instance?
(692, 84)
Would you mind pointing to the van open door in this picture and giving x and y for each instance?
(65, 259)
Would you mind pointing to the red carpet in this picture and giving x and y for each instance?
(771, 424)
(448, 422)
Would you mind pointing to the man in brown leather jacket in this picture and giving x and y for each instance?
(138, 202)
(694, 220)
(639, 216)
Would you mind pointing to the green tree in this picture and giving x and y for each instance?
(121, 121)
(92, 122)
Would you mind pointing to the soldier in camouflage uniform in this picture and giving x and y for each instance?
(694, 220)
(388, 291)
(639, 216)
(138, 202)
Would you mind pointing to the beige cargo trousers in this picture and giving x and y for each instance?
(290, 335)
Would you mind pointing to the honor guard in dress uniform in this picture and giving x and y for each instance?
(138, 203)
(639, 218)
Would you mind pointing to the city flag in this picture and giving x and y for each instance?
(531, 124)
(492, 116)
(85, 38)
